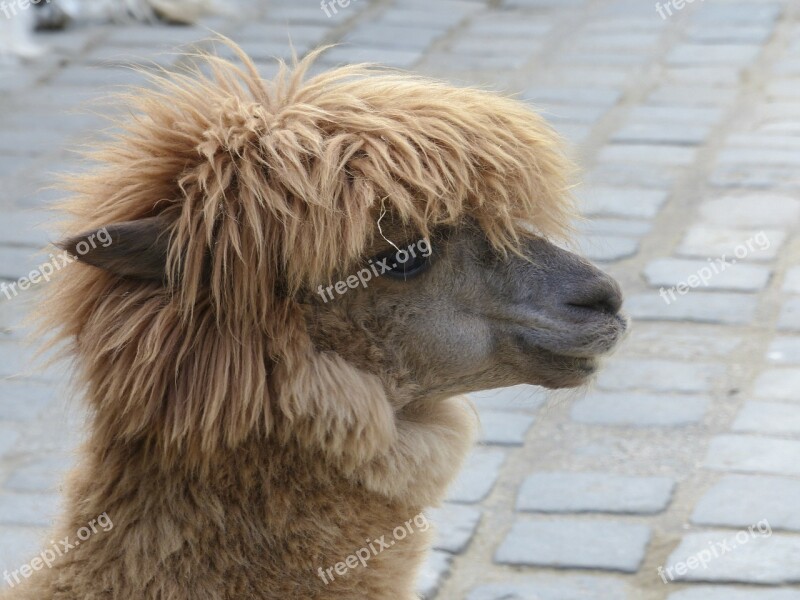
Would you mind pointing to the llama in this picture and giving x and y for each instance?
(247, 436)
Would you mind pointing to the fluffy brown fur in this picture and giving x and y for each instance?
(234, 455)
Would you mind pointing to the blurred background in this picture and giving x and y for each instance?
(678, 475)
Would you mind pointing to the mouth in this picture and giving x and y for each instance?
(558, 357)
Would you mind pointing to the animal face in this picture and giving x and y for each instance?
(457, 316)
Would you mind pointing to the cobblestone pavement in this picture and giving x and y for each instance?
(685, 455)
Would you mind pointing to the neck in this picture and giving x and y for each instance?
(263, 520)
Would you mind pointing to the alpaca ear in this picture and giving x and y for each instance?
(136, 249)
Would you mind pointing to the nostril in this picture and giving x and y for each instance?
(604, 297)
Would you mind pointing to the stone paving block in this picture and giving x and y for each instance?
(570, 113)
(763, 141)
(789, 319)
(575, 543)
(13, 315)
(602, 59)
(660, 375)
(727, 34)
(752, 454)
(17, 360)
(640, 410)
(615, 227)
(554, 587)
(692, 95)
(751, 211)
(503, 25)
(382, 35)
(739, 501)
(676, 114)
(14, 165)
(581, 75)
(19, 544)
(24, 401)
(477, 45)
(9, 437)
(759, 156)
(695, 306)
(644, 176)
(574, 134)
(673, 156)
(726, 75)
(478, 477)
(573, 95)
(754, 559)
(518, 398)
(403, 59)
(34, 143)
(684, 342)
(787, 68)
(621, 202)
(299, 33)
(474, 62)
(624, 22)
(434, 571)
(18, 262)
(784, 351)
(729, 593)
(634, 41)
(671, 272)
(26, 228)
(504, 428)
(99, 78)
(543, 3)
(715, 242)
(40, 476)
(768, 418)
(717, 54)
(455, 526)
(155, 37)
(431, 16)
(783, 89)
(689, 134)
(64, 98)
(778, 384)
(604, 248)
(32, 510)
(755, 177)
(745, 13)
(566, 492)
(268, 51)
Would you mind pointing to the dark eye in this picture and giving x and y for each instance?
(405, 263)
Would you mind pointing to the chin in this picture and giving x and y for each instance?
(563, 372)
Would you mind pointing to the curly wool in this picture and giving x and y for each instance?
(271, 188)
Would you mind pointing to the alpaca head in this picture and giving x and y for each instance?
(237, 206)
(450, 314)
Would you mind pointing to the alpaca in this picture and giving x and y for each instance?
(250, 437)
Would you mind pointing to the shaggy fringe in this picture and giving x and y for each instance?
(271, 188)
